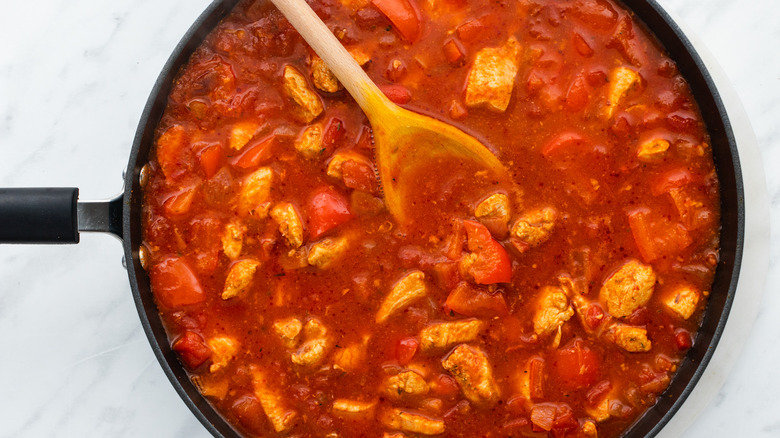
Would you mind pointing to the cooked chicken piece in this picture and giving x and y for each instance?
(339, 158)
(323, 253)
(631, 339)
(628, 289)
(290, 223)
(589, 429)
(239, 277)
(255, 195)
(683, 301)
(288, 330)
(445, 334)
(494, 213)
(310, 142)
(405, 382)
(621, 81)
(652, 150)
(281, 417)
(233, 240)
(241, 134)
(223, 350)
(297, 88)
(533, 228)
(405, 291)
(350, 357)
(471, 369)
(324, 79)
(345, 406)
(600, 412)
(169, 147)
(413, 422)
(210, 387)
(317, 344)
(492, 76)
(552, 310)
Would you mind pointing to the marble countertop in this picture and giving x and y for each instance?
(74, 77)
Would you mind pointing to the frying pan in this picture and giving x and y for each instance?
(54, 215)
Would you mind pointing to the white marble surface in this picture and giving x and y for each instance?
(74, 76)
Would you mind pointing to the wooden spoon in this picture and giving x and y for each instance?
(402, 139)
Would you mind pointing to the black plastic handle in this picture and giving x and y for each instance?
(39, 215)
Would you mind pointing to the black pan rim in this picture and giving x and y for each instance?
(680, 49)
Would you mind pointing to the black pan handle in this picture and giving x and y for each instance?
(54, 215)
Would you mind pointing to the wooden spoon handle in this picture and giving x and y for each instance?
(371, 100)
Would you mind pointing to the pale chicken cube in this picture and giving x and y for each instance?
(492, 76)
(339, 158)
(233, 240)
(406, 382)
(494, 213)
(210, 387)
(589, 429)
(471, 369)
(289, 222)
(652, 150)
(297, 88)
(413, 422)
(281, 417)
(683, 301)
(310, 142)
(288, 330)
(599, 412)
(328, 250)
(346, 406)
(632, 339)
(552, 310)
(628, 289)
(621, 81)
(241, 134)
(533, 228)
(445, 334)
(407, 290)
(239, 278)
(316, 346)
(223, 350)
(323, 77)
(255, 196)
(350, 357)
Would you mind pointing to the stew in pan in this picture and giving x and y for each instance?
(559, 307)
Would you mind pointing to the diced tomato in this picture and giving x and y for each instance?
(683, 339)
(210, 159)
(397, 93)
(446, 274)
(683, 121)
(475, 301)
(256, 153)
(250, 414)
(204, 233)
(476, 29)
(515, 423)
(359, 176)
(575, 366)
(594, 316)
(582, 46)
(334, 132)
(692, 212)
(405, 350)
(445, 386)
(565, 142)
(492, 264)
(657, 236)
(599, 15)
(640, 316)
(577, 97)
(192, 349)
(536, 377)
(365, 139)
(597, 393)
(171, 148)
(175, 284)
(454, 52)
(180, 203)
(671, 179)
(404, 16)
(327, 209)
(564, 421)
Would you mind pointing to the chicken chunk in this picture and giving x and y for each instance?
(533, 228)
(239, 277)
(652, 150)
(281, 417)
(683, 301)
(255, 196)
(233, 240)
(628, 289)
(169, 148)
(553, 310)
(445, 334)
(632, 339)
(317, 344)
(407, 290)
(406, 382)
(288, 330)
(223, 350)
(599, 412)
(325, 252)
(621, 81)
(241, 134)
(310, 142)
(413, 422)
(339, 158)
(589, 429)
(471, 369)
(346, 406)
(297, 88)
(494, 213)
(350, 357)
(492, 76)
(290, 223)
(324, 79)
